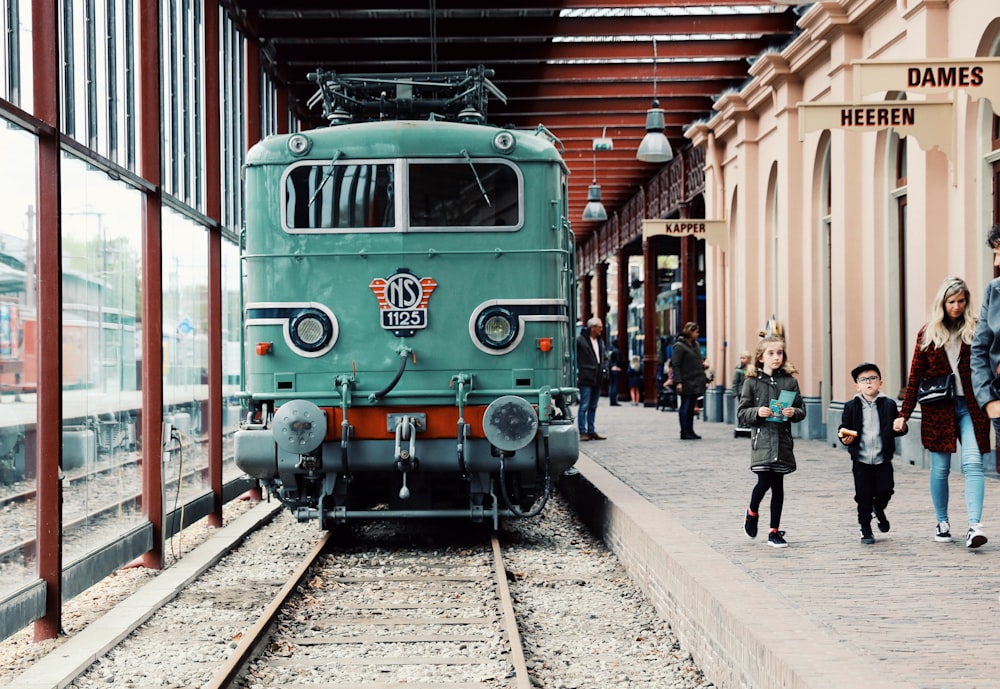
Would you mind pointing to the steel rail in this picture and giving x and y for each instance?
(521, 679)
(254, 636)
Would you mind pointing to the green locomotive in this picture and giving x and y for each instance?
(408, 307)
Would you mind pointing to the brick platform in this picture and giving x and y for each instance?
(827, 612)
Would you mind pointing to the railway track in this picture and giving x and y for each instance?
(420, 618)
(382, 606)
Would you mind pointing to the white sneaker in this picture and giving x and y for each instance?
(975, 537)
(943, 534)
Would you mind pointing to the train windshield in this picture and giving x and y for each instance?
(351, 195)
(463, 194)
(428, 194)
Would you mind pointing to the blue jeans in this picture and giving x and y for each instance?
(972, 467)
(590, 395)
(685, 413)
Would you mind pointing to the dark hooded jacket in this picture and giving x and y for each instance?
(772, 447)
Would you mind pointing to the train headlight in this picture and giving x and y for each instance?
(299, 426)
(504, 142)
(310, 331)
(510, 423)
(299, 144)
(496, 327)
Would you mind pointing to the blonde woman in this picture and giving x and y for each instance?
(943, 347)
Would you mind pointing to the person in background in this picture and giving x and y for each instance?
(614, 365)
(866, 430)
(986, 342)
(592, 367)
(740, 373)
(772, 448)
(689, 377)
(635, 379)
(943, 347)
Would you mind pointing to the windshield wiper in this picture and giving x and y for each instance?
(326, 177)
(478, 181)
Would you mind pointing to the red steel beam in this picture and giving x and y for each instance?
(419, 8)
(355, 30)
(45, 57)
(213, 208)
(528, 59)
(152, 277)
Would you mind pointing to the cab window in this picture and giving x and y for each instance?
(463, 194)
(342, 195)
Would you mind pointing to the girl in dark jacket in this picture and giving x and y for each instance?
(771, 455)
(943, 347)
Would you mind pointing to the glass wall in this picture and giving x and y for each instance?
(15, 59)
(232, 364)
(18, 370)
(185, 358)
(102, 298)
(100, 54)
(183, 104)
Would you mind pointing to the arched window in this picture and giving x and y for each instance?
(897, 149)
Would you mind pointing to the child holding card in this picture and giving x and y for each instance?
(769, 401)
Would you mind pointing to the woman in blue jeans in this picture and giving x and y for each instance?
(943, 347)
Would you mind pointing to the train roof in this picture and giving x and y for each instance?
(406, 139)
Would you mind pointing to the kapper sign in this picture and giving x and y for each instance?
(715, 232)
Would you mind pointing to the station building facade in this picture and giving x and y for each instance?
(856, 169)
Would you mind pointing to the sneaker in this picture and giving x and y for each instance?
(866, 536)
(883, 522)
(943, 534)
(975, 537)
(750, 525)
(776, 539)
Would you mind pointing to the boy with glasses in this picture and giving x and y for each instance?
(866, 428)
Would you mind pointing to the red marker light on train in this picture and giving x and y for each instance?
(545, 344)
(263, 348)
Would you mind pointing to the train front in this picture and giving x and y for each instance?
(408, 321)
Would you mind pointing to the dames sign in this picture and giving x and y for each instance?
(979, 77)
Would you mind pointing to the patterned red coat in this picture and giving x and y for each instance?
(938, 430)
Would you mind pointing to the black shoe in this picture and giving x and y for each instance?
(866, 535)
(883, 522)
(776, 539)
(690, 436)
(750, 524)
(615, 404)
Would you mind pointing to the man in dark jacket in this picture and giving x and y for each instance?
(592, 367)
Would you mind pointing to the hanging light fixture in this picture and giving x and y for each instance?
(655, 147)
(594, 210)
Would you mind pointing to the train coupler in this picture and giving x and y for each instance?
(406, 449)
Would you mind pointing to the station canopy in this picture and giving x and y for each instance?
(581, 68)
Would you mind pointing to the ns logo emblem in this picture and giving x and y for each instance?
(402, 300)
